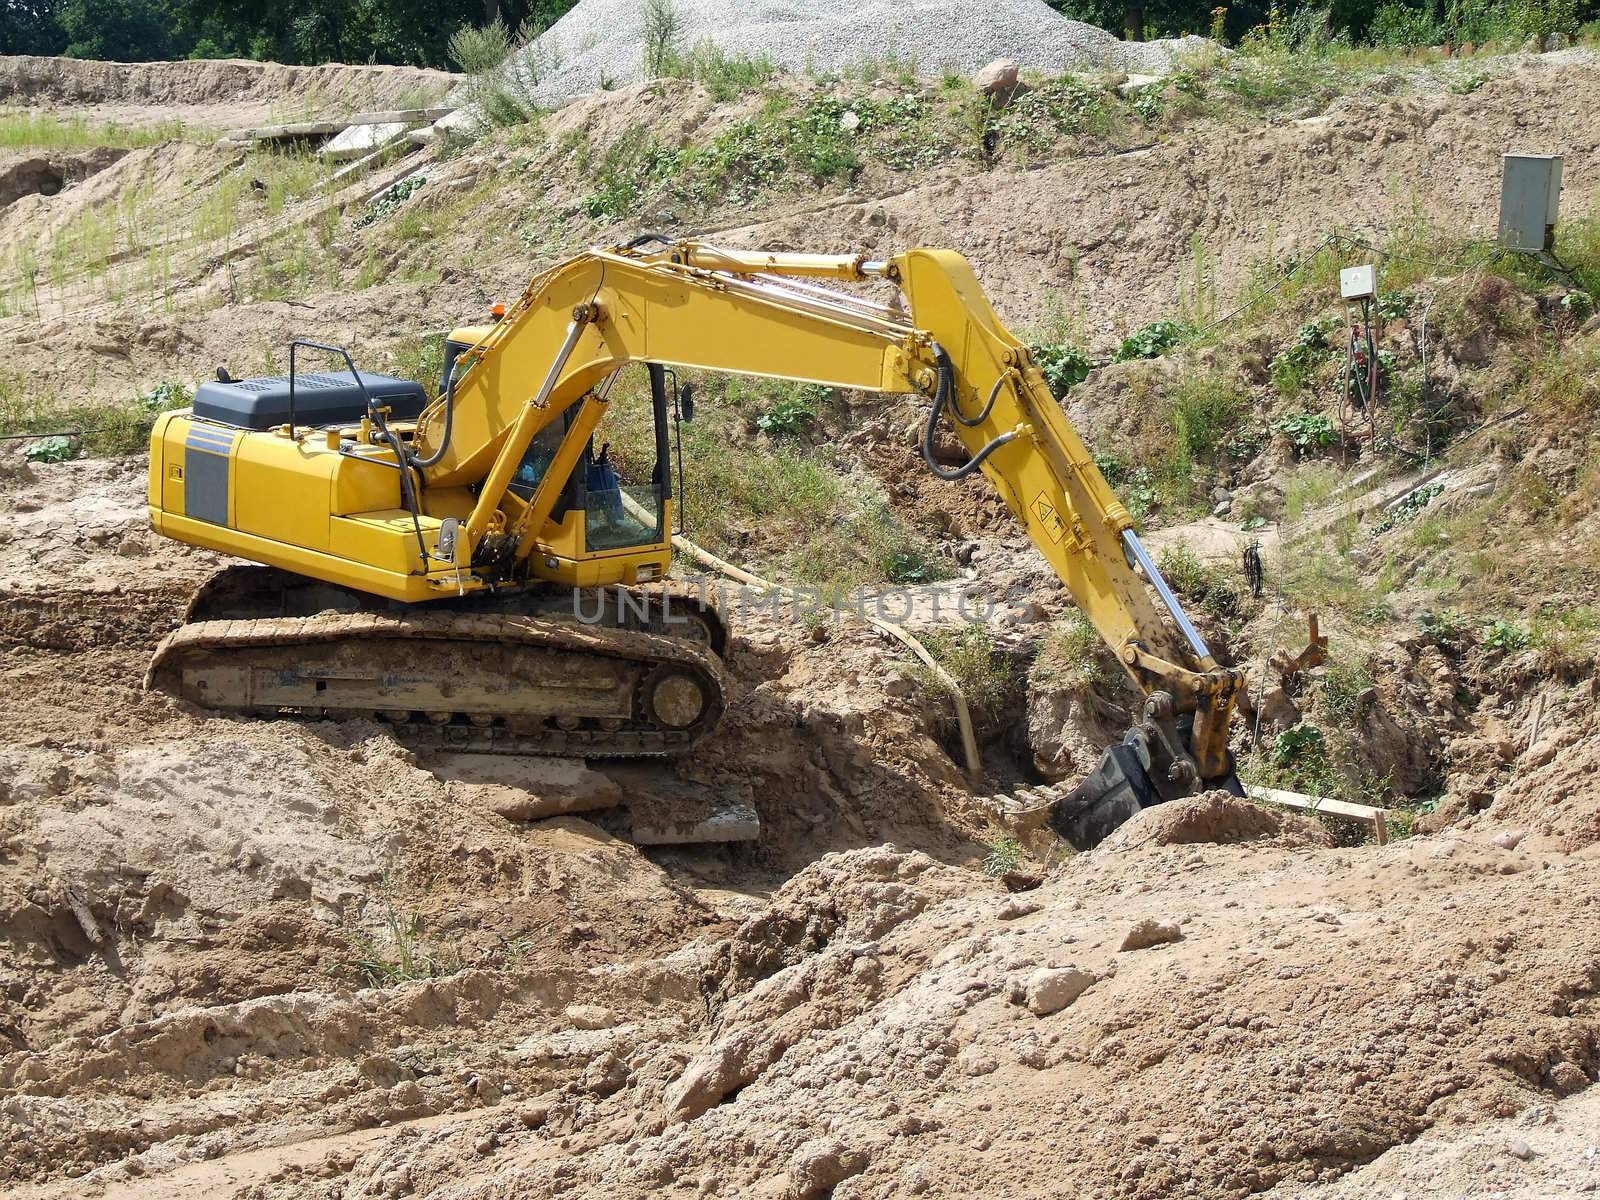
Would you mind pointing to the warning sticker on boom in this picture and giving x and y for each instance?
(1049, 518)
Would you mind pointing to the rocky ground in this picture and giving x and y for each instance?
(277, 959)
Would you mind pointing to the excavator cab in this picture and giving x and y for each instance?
(612, 517)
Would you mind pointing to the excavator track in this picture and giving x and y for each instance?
(488, 680)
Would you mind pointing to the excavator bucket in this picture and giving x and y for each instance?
(1110, 794)
(1113, 793)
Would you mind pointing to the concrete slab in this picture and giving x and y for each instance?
(730, 823)
(663, 810)
(356, 141)
(1136, 85)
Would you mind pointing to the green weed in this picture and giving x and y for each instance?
(1005, 854)
(1206, 410)
(983, 673)
(400, 953)
(97, 429)
(1072, 656)
(725, 76)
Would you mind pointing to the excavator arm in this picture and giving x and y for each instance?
(687, 305)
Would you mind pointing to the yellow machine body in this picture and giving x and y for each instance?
(302, 505)
(335, 503)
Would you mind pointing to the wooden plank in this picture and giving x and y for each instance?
(80, 910)
(1378, 818)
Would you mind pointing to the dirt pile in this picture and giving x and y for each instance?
(600, 43)
(879, 1032)
(175, 86)
(1214, 817)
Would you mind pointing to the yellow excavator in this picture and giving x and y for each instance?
(409, 548)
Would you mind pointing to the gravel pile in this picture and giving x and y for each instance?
(601, 42)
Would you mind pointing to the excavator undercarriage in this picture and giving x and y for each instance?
(635, 673)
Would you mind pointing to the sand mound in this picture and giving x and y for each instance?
(600, 42)
(1215, 817)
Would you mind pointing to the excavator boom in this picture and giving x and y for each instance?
(479, 493)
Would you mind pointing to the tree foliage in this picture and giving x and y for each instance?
(404, 31)
(289, 31)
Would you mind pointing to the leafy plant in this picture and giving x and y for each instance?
(1293, 366)
(1296, 746)
(787, 417)
(1152, 341)
(1393, 305)
(1148, 105)
(1445, 627)
(1408, 508)
(166, 396)
(1064, 366)
(389, 200)
(1309, 432)
(1034, 119)
(627, 170)
(909, 566)
(1244, 443)
(1507, 636)
(49, 450)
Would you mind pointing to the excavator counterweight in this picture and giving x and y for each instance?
(408, 547)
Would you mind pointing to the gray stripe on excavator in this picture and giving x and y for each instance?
(205, 485)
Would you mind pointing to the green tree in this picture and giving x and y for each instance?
(1165, 17)
(31, 27)
(123, 30)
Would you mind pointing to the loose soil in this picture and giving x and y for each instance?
(273, 959)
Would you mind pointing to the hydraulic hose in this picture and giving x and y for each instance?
(449, 422)
(983, 415)
(941, 397)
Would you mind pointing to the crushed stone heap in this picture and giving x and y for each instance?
(601, 42)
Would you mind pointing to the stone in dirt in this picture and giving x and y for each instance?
(1136, 85)
(998, 79)
(1050, 989)
(1151, 932)
(714, 1073)
(525, 788)
(589, 1016)
(821, 1165)
(726, 823)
